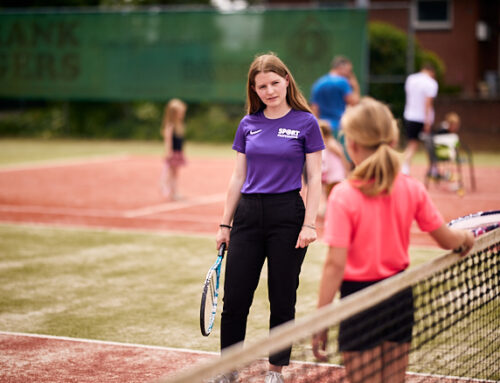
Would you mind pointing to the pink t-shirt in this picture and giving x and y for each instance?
(376, 230)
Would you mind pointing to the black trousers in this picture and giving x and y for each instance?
(265, 226)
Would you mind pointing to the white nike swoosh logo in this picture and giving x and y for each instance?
(252, 132)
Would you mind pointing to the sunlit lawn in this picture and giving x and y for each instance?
(14, 151)
(116, 285)
(123, 286)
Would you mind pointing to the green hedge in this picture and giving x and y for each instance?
(388, 57)
(138, 121)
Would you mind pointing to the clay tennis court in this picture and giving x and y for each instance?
(124, 193)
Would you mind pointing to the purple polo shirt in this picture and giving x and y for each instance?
(275, 150)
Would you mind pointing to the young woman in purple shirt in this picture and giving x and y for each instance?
(264, 214)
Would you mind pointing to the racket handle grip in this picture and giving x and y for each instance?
(222, 249)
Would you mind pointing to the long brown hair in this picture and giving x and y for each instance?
(172, 116)
(271, 63)
(372, 125)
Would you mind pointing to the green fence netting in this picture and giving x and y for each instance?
(158, 54)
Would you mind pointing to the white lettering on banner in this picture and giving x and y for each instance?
(288, 133)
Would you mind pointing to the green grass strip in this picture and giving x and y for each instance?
(124, 286)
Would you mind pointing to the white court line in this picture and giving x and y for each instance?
(108, 343)
(62, 211)
(106, 229)
(62, 163)
(100, 213)
(164, 207)
(451, 377)
(184, 350)
(148, 210)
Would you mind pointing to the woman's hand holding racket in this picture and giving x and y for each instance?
(222, 236)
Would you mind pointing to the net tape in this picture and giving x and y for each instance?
(455, 328)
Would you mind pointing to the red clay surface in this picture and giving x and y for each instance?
(124, 192)
(34, 358)
(48, 360)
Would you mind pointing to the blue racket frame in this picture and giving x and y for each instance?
(217, 268)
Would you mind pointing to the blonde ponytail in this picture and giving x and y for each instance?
(371, 125)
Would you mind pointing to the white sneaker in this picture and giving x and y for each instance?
(229, 377)
(274, 377)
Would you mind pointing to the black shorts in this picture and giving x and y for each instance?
(413, 129)
(390, 320)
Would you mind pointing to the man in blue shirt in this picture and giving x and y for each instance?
(333, 91)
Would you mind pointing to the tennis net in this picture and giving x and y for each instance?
(454, 328)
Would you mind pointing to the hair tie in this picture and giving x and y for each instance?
(386, 143)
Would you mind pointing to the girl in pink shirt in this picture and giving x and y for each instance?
(367, 228)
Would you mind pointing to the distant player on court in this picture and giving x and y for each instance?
(367, 228)
(173, 138)
(421, 88)
(332, 92)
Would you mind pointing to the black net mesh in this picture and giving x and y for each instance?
(440, 323)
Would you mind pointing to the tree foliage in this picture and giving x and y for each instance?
(388, 46)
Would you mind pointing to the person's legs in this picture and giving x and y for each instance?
(395, 361)
(244, 263)
(385, 363)
(411, 149)
(165, 180)
(364, 366)
(284, 218)
(174, 172)
(413, 130)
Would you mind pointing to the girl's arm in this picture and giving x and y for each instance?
(333, 272)
(167, 132)
(449, 238)
(354, 97)
(331, 279)
(232, 198)
(308, 232)
(429, 101)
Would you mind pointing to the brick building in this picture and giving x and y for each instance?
(465, 35)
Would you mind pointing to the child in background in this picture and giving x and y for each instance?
(451, 124)
(333, 164)
(173, 138)
(367, 228)
(442, 143)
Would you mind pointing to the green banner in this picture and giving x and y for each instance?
(157, 55)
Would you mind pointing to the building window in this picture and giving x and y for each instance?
(432, 14)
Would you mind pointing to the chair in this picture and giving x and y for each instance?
(449, 155)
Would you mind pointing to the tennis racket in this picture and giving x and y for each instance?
(210, 294)
(479, 223)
